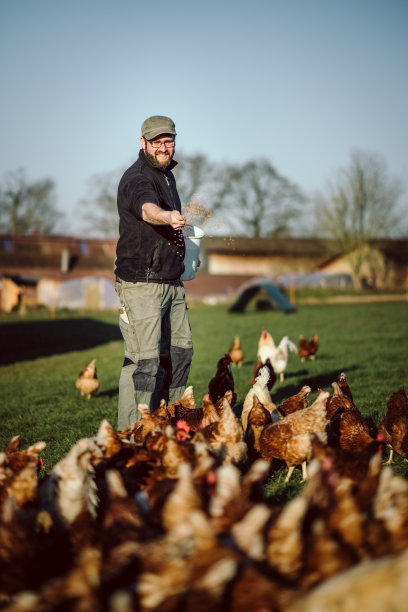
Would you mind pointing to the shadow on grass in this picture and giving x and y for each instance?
(31, 339)
(320, 381)
(108, 393)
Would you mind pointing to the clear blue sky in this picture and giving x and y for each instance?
(300, 82)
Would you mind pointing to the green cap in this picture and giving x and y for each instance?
(156, 125)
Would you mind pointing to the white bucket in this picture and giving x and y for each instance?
(192, 239)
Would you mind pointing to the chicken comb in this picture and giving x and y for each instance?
(183, 425)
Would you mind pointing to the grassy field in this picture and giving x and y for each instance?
(42, 356)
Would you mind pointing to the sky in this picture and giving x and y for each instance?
(301, 83)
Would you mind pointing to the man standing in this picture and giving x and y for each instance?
(149, 262)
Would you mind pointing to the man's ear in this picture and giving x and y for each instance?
(143, 142)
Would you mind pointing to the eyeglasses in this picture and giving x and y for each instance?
(156, 144)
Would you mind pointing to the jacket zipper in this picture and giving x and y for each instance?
(166, 178)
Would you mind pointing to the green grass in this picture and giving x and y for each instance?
(42, 356)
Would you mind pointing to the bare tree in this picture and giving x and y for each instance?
(27, 207)
(194, 176)
(360, 207)
(257, 200)
(252, 198)
(193, 173)
(99, 209)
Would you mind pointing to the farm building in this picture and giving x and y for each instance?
(39, 269)
(34, 270)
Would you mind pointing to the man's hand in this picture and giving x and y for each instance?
(157, 216)
(177, 221)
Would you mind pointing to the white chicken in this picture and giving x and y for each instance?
(278, 355)
(261, 391)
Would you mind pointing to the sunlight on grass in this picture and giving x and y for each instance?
(37, 383)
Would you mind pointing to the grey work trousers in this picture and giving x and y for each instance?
(158, 346)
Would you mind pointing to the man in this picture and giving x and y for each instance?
(149, 262)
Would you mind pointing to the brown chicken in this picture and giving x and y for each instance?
(342, 398)
(210, 414)
(257, 419)
(87, 381)
(394, 425)
(234, 494)
(348, 429)
(290, 438)
(236, 353)
(149, 422)
(307, 348)
(353, 430)
(123, 517)
(186, 568)
(17, 459)
(295, 402)
(344, 386)
(70, 489)
(353, 465)
(175, 452)
(186, 402)
(81, 539)
(187, 410)
(127, 433)
(338, 401)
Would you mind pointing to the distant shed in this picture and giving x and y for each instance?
(249, 290)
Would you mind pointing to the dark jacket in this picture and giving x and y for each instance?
(145, 252)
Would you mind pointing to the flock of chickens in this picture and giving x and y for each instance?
(171, 513)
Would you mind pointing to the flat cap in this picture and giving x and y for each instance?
(156, 125)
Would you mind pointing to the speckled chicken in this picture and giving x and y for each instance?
(187, 410)
(354, 432)
(87, 381)
(186, 402)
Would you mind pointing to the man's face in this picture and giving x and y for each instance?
(159, 150)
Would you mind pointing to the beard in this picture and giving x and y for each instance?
(155, 162)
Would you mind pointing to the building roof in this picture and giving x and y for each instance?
(39, 256)
(312, 247)
(56, 256)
